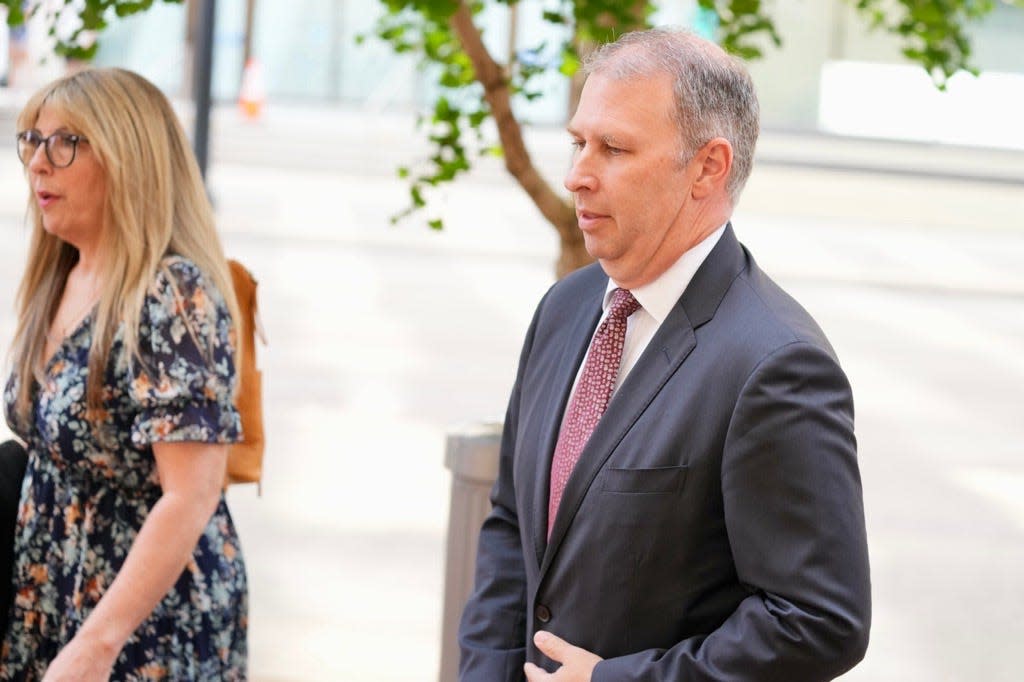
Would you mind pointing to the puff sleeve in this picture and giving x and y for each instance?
(182, 384)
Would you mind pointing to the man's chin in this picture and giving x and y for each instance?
(596, 247)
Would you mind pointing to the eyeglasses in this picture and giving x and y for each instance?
(60, 147)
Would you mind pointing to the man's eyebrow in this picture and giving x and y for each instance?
(607, 139)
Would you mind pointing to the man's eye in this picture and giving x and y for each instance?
(576, 145)
(615, 151)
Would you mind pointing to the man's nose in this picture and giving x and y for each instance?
(580, 175)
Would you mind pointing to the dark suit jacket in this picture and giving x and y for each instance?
(713, 528)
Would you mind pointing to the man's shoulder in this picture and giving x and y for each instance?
(756, 301)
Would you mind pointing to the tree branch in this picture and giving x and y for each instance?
(497, 93)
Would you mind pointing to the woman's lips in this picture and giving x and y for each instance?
(45, 198)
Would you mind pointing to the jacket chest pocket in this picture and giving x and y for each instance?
(656, 481)
(641, 498)
(634, 514)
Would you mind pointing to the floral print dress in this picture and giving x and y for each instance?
(88, 490)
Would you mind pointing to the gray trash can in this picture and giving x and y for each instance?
(471, 454)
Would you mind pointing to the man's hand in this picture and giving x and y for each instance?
(577, 664)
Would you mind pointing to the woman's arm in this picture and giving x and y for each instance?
(191, 475)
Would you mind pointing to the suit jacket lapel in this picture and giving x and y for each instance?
(577, 335)
(672, 343)
(667, 350)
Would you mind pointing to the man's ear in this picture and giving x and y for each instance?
(713, 163)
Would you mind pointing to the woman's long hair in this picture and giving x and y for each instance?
(156, 205)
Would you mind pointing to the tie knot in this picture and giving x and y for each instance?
(623, 304)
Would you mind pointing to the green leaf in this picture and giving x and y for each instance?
(443, 110)
(393, 32)
(76, 52)
(417, 197)
(744, 7)
(570, 63)
(15, 17)
(92, 16)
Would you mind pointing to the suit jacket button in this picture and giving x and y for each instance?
(543, 613)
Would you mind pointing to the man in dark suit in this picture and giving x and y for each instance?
(678, 495)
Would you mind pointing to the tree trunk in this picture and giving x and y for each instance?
(557, 210)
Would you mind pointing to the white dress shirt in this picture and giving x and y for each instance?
(656, 300)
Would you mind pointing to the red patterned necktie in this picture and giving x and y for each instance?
(592, 394)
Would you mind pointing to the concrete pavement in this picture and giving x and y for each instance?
(382, 337)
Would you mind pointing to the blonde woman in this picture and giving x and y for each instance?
(127, 562)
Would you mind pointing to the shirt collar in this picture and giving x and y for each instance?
(658, 297)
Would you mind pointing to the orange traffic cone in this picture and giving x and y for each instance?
(253, 92)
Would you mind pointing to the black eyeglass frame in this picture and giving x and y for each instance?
(24, 138)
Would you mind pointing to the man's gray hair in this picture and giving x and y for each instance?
(714, 94)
